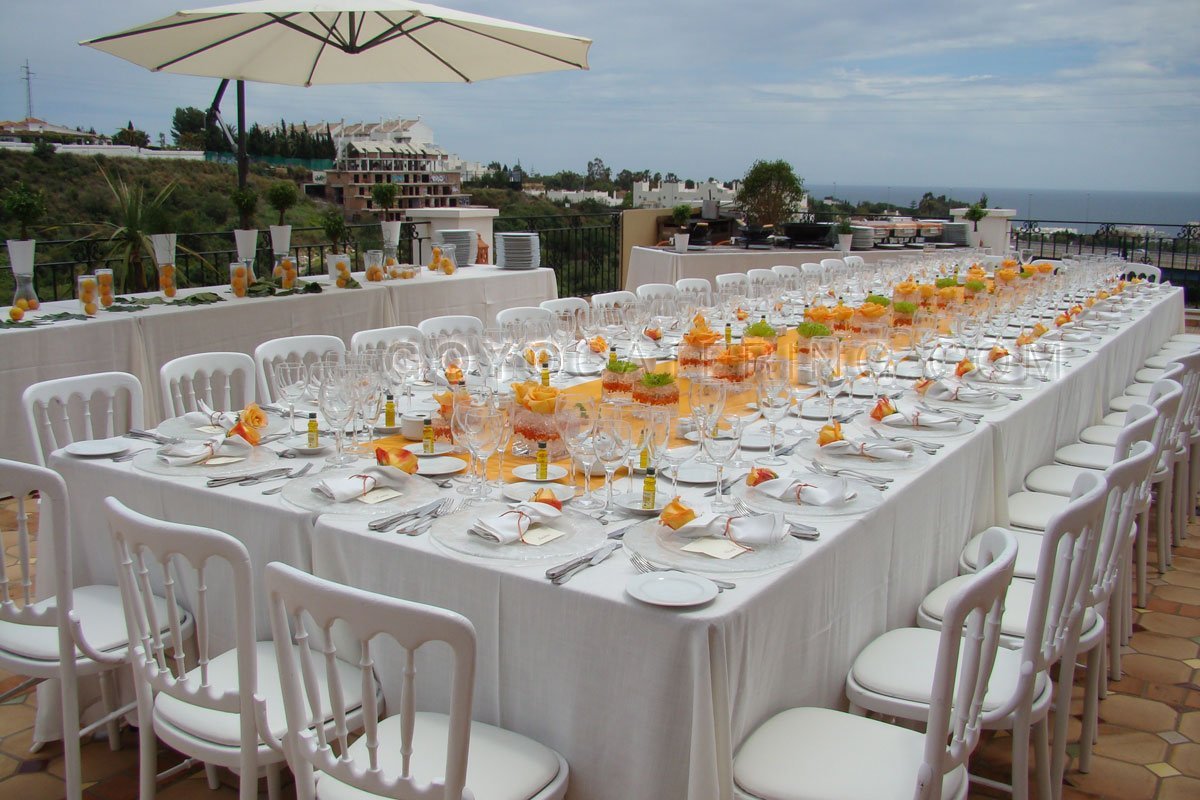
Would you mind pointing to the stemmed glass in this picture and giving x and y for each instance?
(830, 380)
(504, 407)
(495, 346)
(291, 379)
(656, 428)
(722, 441)
(877, 354)
(774, 399)
(566, 325)
(707, 399)
(405, 358)
(336, 399)
(372, 390)
(612, 441)
(575, 418)
(478, 428)
(679, 455)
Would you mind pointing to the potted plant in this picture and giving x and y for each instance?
(26, 206)
(334, 225)
(281, 197)
(681, 214)
(245, 201)
(845, 233)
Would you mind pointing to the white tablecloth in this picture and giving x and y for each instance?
(645, 701)
(658, 265)
(142, 341)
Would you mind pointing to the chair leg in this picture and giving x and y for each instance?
(1041, 744)
(1062, 712)
(274, 781)
(147, 744)
(1162, 523)
(73, 771)
(108, 697)
(1143, 524)
(1193, 480)
(1117, 609)
(1180, 494)
(1020, 755)
(214, 779)
(1091, 710)
(857, 710)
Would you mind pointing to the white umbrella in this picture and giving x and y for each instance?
(310, 42)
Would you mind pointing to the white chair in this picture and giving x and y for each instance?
(613, 299)
(409, 754)
(786, 271)
(1147, 272)
(450, 325)
(893, 674)
(758, 276)
(699, 289)
(854, 262)
(1059, 479)
(306, 348)
(224, 711)
(736, 281)
(75, 632)
(186, 380)
(812, 268)
(1188, 338)
(821, 753)
(564, 304)
(382, 338)
(83, 407)
(657, 291)
(830, 264)
(523, 314)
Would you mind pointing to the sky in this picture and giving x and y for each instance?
(1063, 94)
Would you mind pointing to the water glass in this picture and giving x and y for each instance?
(612, 441)
(722, 440)
(774, 396)
(291, 380)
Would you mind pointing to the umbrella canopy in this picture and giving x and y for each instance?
(312, 42)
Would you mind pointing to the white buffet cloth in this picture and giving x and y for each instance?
(141, 342)
(642, 701)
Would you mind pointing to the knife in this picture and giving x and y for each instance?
(597, 557)
(416, 513)
(574, 562)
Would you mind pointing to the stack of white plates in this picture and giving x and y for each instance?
(864, 238)
(518, 251)
(955, 232)
(466, 245)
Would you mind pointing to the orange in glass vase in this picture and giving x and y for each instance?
(696, 347)
(533, 418)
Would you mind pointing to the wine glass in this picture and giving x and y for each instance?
(291, 379)
(405, 360)
(575, 417)
(478, 429)
(372, 393)
(495, 346)
(774, 396)
(830, 380)
(877, 354)
(612, 441)
(656, 428)
(336, 399)
(565, 334)
(504, 407)
(721, 442)
(681, 453)
(706, 399)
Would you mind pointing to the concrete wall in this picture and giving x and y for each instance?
(639, 228)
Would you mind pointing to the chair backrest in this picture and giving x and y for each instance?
(1140, 420)
(298, 603)
(523, 314)
(657, 291)
(1126, 479)
(699, 288)
(1061, 588)
(225, 381)
(18, 600)
(832, 263)
(854, 261)
(150, 551)
(966, 652)
(82, 407)
(564, 304)
(307, 348)
(1166, 395)
(383, 338)
(1147, 272)
(611, 299)
(761, 276)
(812, 268)
(785, 271)
(733, 280)
(453, 324)
(1190, 403)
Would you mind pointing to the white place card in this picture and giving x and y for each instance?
(723, 549)
(378, 495)
(541, 535)
(217, 461)
(210, 429)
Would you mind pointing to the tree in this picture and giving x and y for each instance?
(281, 196)
(25, 205)
(770, 192)
(384, 195)
(187, 126)
(245, 200)
(597, 172)
(131, 136)
(129, 235)
(671, 177)
(689, 184)
(43, 149)
(334, 225)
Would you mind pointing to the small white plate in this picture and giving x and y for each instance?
(693, 472)
(300, 445)
(676, 589)
(521, 491)
(440, 465)
(387, 430)
(761, 440)
(439, 449)
(632, 501)
(528, 472)
(97, 448)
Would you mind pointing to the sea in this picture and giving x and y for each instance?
(1080, 210)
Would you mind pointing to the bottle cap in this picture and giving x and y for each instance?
(389, 395)
(649, 472)
(541, 445)
(312, 415)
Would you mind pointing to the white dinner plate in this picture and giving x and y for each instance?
(860, 498)
(761, 440)
(257, 460)
(583, 535)
(440, 465)
(521, 491)
(632, 501)
(818, 408)
(299, 492)
(98, 448)
(674, 589)
(809, 450)
(528, 472)
(179, 428)
(387, 430)
(439, 449)
(662, 547)
(693, 472)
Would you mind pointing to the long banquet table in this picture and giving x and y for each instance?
(141, 342)
(645, 701)
(664, 265)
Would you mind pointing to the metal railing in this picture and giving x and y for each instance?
(584, 250)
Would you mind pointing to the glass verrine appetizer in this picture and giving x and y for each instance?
(656, 389)
(618, 378)
(533, 419)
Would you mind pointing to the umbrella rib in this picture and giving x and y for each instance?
(317, 58)
(164, 27)
(330, 30)
(395, 31)
(510, 44)
(443, 61)
(212, 45)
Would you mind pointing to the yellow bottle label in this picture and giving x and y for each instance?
(612, 357)
(649, 489)
(545, 375)
(314, 437)
(427, 437)
(645, 459)
(389, 413)
(728, 333)
(543, 463)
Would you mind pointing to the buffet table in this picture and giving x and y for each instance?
(645, 701)
(140, 342)
(665, 265)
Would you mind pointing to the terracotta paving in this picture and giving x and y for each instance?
(1149, 723)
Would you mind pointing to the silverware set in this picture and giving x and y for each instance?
(564, 572)
(150, 436)
(642, 565)
(250, 479)
(417, 521)
(798, 530)
(878, 481)
(930, 448)
(304, 470)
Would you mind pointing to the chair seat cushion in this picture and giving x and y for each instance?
(222, 727)
(1032, 510)
(1055, 478)
(1170, 347)
(1159, 362)
(1016, 606)
(1138, 390)
(1082, 454)
(901, 663)
(1193, 338)
(1029, 553)
(1124, 402)
(1114, 419)
(1100, 434)
(100, 613)
(816, 753)
(1148, 374)
(501, 765)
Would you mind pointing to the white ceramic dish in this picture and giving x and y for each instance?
(672, 589)
(528, 472)
(521, 491)
(97, 448)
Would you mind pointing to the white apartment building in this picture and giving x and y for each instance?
(570, 198)
(671, 194)
(411, 132)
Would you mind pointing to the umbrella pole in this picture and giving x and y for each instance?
(243, 161)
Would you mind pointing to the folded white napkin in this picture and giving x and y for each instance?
(919, 419)
(1067, 333)
(185, 453)
(1003, 371)
(347, 488)
(207, 416)
(509, 526)
(756, 530)
(1103, 316)
(948, 391)
(811, 490)
(883, 451)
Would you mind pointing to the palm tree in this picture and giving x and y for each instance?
(129, 234)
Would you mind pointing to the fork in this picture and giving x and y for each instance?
(930, 448)
(296, 473)
(796, 529)
(642, 565)
(447, 507)
(974, 416)
(878, 481)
